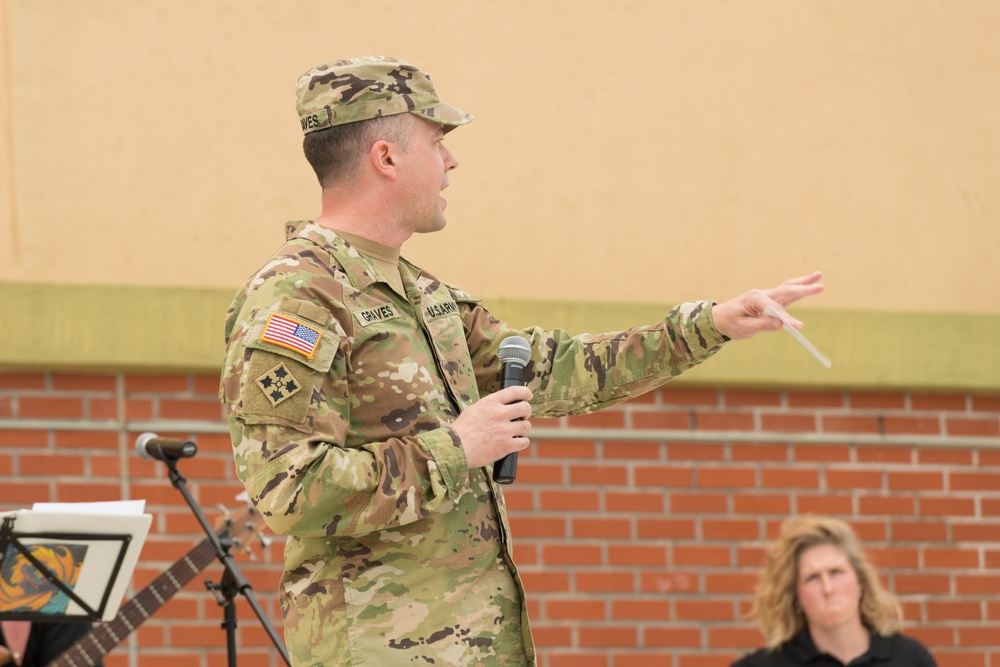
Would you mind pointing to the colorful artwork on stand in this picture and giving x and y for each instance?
(24, 588)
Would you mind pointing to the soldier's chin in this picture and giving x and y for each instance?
(433, 226)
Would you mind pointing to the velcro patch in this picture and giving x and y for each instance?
(374, 315)
(294, 335)
(278, 384)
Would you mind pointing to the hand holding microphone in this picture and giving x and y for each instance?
(497, 424)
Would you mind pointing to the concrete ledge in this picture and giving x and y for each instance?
(154, 329)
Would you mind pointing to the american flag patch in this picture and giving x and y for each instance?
(286, 332)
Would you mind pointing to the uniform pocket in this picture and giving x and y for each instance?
(286, 359)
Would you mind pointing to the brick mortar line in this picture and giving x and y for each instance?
(597, 435)
(764, 437)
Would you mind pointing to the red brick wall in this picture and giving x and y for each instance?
(638, 530)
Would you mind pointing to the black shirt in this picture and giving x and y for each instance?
(47, 641)
(892, 651)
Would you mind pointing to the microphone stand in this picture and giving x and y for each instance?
(233, 581)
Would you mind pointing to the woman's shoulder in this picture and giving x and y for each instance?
(765, 658)
(910, 650)
(900, 648)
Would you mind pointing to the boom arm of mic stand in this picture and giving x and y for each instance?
(240, 582)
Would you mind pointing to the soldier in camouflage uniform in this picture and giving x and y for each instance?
(364, 402)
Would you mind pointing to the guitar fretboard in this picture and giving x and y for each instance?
(104, 637)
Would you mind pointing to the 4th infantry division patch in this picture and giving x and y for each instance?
(278, 384)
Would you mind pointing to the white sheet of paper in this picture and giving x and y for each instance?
(107, 507)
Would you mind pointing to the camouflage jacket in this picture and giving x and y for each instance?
(340, 394)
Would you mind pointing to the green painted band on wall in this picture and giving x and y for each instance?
(157, 329)
(113, 327)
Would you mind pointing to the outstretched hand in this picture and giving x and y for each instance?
(743, 316)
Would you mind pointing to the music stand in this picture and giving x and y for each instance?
(67, 567)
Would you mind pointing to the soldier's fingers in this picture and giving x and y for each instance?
(521, 444)
(513, 394)
(801, 292)
(519, 410)
(792, 290)
(519, 434)
(520, 428)
(807, 279)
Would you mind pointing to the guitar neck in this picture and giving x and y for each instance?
(104, 637)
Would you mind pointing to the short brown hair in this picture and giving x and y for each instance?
(334, 153)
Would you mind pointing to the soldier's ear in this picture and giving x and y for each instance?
(383, 159)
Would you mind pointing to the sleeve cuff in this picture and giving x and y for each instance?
(700, 332)
(448, 458)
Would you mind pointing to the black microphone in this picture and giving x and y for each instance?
(514, 353)
(151, 446)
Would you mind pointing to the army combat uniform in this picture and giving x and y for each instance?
(341, 392)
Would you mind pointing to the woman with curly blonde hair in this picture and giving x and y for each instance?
(819, 602)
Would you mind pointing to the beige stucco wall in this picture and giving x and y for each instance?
(633, 151)
(625, 156)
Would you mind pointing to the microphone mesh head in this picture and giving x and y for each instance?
(515, 348)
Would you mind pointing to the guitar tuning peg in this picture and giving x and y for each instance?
(222, 508)
(265, 541)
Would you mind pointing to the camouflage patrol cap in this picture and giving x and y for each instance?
(346, 91)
